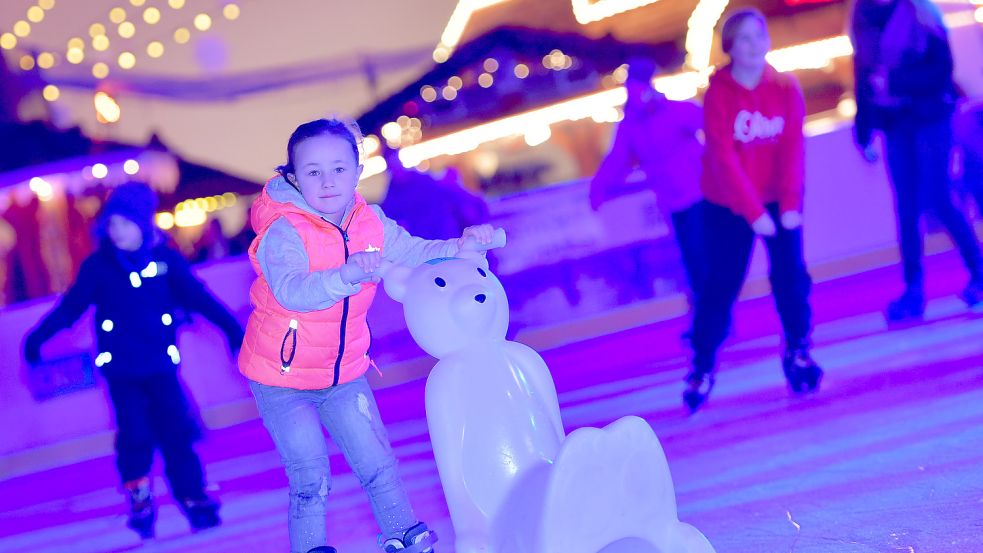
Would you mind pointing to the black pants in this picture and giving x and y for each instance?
(153, 412)
(688, 226)
(729, 242)
(918, 160)
(973, 177)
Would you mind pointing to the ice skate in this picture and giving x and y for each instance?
(142, 513)
(698, 387)
(909, 307)
(973, 293)
(202, 512)
(802, 373)
(418, 539)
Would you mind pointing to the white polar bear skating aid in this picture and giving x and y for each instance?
(514, 482)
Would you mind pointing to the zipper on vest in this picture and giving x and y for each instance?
(344, 309)
(286, 360)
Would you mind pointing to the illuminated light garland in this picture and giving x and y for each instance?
(190, 217)
(150, 271)
(117, 15)
(46, 60)
(165, 220)
(50, 93)
(100, 40)
(107, 109)
(964, 18)
(469, 139)
(22, 28)
(42, 189)
(700, 26)
(587, 11)
(699, 33)
(193, 212)
(203, 22)
(812, 55)
(373, 166)
(75, 56)
(126, 60)
(598, 106)
(457, 22)
(35, 14)
(175, 355)
(100, 70)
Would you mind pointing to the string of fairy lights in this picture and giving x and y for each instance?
(117, 40)
(111, 42)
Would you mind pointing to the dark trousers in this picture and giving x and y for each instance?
(153, 412)
(729, 242)
(918, 161)
(688, 227)
(973, 177)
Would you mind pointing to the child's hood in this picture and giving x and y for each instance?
(279, 198)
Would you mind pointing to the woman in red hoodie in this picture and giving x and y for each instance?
(752, 181)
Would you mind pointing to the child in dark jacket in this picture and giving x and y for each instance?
(137, 285)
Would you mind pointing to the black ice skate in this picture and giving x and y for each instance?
(142, 513)
(698, 387)
(418, 539)
(202, 512)
(910, 306)
(802, 373)
(973, 294)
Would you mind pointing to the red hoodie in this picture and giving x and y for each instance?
(755, 152)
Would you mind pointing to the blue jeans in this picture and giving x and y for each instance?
(349, 412)
(918, 160)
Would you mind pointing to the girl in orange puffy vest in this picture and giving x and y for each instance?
(317, 249)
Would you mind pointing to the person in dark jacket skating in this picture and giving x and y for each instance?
(138, 284)
(904, 87)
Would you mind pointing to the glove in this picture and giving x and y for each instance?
(764, 226)
(791, 220)
(235, 342)
(870, 153)
(32, 350)
(597, 197)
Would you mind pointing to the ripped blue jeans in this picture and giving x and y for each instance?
(349, 412)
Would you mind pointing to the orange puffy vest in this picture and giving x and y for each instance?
(317, 349)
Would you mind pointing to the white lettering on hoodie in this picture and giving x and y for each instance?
(749, 127)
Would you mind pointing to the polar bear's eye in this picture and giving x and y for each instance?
(440, 282)
(481, 272)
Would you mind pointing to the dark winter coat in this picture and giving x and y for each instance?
(138, 306)
(908, 41)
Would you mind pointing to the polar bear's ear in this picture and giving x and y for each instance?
(395, 280)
